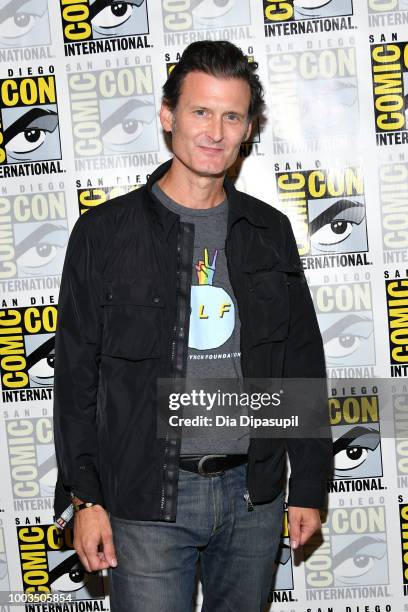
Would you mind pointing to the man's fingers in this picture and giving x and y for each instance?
(306, 532)
(294, 532)
(83, 559)
(95, 562)
(109, 549)
(308, 529)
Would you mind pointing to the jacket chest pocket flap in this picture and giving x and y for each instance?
(131, 320)
(269, 308)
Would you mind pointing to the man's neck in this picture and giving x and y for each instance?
(188, 189)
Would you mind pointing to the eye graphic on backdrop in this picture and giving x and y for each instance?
(311, 4)
(127, 123)
(329, 104)
(26, 136)
(18, 18)
(40, 364)
(364, 557)
(346, 337)
(354, 448)
(39, 252)
(321, 8)
(69, 575)
(115, 18)
(213, 9)
(335, 225)
(220, 13)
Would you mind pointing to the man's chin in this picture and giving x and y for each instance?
(207, 170)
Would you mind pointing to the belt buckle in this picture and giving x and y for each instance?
(201, 463)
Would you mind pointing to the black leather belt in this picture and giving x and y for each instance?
(211, 465)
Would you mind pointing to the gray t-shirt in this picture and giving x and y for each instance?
(214, 337)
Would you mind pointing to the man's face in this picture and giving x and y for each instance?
(209, 122)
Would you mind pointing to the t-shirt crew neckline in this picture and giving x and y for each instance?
(186, 210)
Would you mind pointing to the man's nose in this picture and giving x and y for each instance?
(216, 129)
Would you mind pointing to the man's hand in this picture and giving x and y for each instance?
(91, 529)
(303, 523)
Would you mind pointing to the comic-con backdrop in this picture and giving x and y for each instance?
(80, 84)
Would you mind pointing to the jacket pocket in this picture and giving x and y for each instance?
(132, 320)
(269, 308)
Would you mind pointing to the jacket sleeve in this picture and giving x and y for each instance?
(77, 356)
(310, 459)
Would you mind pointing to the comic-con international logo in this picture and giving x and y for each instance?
(32, 465)
(328, 213)
(397, 303)
(27, 348)
(95, 26)
(345, 316)
(306, 16)
(355, 424)
(24, 30)
(49, 563)
(313, 98)
(113, 118)
(389, 64)
(37, 233)
(225, 19)
(29, 131)
(387, 12)
(352, 558)
(91, 197)
(393, 188)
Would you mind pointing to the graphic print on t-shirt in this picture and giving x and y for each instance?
(212, 316)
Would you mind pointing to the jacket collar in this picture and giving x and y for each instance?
(237, 207)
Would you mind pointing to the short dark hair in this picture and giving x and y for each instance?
(218, 58)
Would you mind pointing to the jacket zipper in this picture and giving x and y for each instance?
(185, 240)
(247, 497)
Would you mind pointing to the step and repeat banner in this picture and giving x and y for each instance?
(80, 84)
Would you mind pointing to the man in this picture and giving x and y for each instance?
(155, 505)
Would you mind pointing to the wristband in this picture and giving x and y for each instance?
(81, 506)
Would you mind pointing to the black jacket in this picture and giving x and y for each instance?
(123, 321)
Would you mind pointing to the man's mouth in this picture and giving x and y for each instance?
(211, 149)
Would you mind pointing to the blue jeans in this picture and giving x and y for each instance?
(157, 560)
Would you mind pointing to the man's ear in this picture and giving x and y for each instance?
(248, 131)
(166, 117)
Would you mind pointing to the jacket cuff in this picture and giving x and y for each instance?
(85, 485)
(307, 493)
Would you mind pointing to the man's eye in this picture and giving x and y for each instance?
(18, 25)
(333, 233)
(123, 133)
(114, 15)
(27, 141)
(350, 458)
(213, 8)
